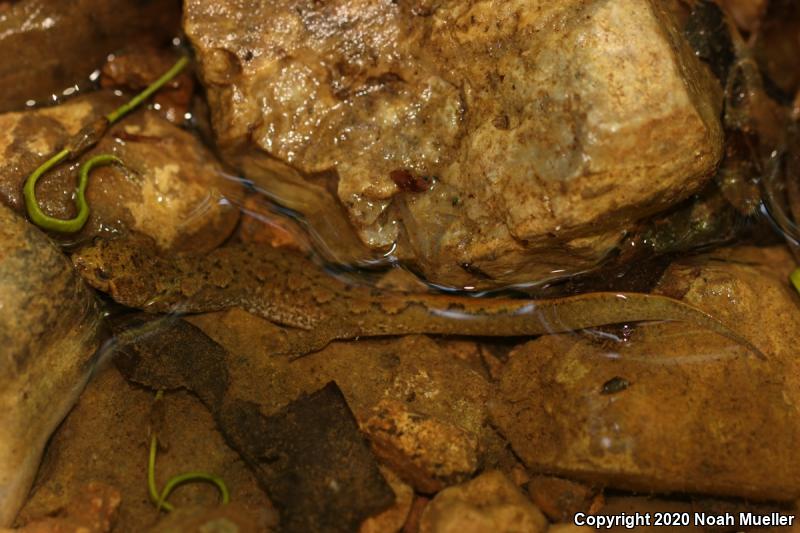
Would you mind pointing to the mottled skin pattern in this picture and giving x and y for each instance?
(290, 290)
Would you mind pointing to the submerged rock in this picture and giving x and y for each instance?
(106, 437)
(669, 407)
(491, 142)
(93, 510)
(49, 326)
(170, 187)
(393, 518)
(423, 409)
(490, 502)
(430, 452)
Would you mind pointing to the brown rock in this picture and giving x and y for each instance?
(310, 456)
(560, 499)
(409, 382)
(392, 519)
(490, 502)
(519, 475)
(427, 452)
(170, 188)
(49, 46)
(49, 325)
(523, 137)
(93, 510)
(673, 407)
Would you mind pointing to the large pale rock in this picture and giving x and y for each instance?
(671, 407)
(501, 140)
(48, 334)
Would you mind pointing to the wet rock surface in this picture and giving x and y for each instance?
(490, 502)
(592, 408)
(491, 141)
(171, 187)
(49, 46)
(49, 331)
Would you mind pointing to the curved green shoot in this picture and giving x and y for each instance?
(73, 225)
(60, 225)
(159, 499)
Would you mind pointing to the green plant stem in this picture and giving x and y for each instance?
(144, 95)
(155, 497)
(190, 477)
(73, 225)
(794, 277)
(60, 225)
(160, 499)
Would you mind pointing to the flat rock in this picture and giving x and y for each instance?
(171, 187)
(105, 437)
(490, 502)
(312, 459)
(49, 331)
(490, 142)
(410, 382)
(671, 407)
